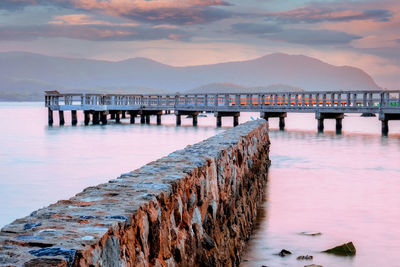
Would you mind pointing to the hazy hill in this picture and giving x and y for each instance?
(234, 88)
(25, 76)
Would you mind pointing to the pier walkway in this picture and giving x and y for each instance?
(98, 108)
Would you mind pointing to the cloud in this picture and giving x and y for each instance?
(315, 14)
(83, 19)
(176, 12)
(91, 33)
(313, 37)
(255, 28)
(296, 36)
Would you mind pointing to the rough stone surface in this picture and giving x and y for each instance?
(195, 207)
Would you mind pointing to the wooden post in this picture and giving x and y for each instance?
(117, 117)
(113, 116)
(178, 120)
(235, 121)
(123, 114)
(219, 121)
(132, 117)
(281, 123)
(142, 119)
(96, 117)
(194, 120)
(147, 118)
(320, 125)
(103, 117)
(385, 127)
(339, 125)
(87, 117)
(61, 114)
(158, 119)
(50, 117)
(74, 118)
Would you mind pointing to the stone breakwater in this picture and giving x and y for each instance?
(194, 207)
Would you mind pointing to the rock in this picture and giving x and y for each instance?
(311, 233)
(208, 242)
(284, 253)
(306, 257)
(28, 226)
(347, 249)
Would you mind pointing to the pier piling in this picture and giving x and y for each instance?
(50, 117)
(158, 119)
(96, 117)
(235, 121)
(87, 117)
(103, 117)
(178, 120)
(74, 118)
(320, 125)
(117, 117)
(61, 115)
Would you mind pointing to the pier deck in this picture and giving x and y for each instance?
(325, 105)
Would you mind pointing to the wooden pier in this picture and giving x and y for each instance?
(326, 105)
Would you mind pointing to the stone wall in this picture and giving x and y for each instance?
(195, 207)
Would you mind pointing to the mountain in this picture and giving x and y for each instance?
(24, 76)
(234, 88)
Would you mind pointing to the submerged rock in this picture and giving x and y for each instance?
(347, 249)
(306, 257)
(284, 253)
(311, 233)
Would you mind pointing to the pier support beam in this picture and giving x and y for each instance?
(147, 119)
(320, 125)
(142, 118)
(132, 115)
(50, 117)
(235, 121)
(219, 121)
(385, 118)
(280, 115)
(87, 117)
(193, 114)
(158, 119)
(74, 118)
(282, 123)
(339, 126)
(385, 127)
(123, 114)
(113, 116)
(221, 114)
(61, 115)
(320, 116)
(117, 117)
(96, 117)
(103, 117)
(194, 120)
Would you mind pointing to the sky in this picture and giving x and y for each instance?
(364, 34)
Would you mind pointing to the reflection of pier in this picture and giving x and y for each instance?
(325, 105)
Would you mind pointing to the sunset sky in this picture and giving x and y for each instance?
(363, 34)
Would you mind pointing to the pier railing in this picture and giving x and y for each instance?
(341, 101)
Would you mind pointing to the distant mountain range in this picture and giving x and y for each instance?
(25, 76)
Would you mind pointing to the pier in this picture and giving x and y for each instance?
(99, 108)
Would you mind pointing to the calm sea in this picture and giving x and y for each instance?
(345, 186)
